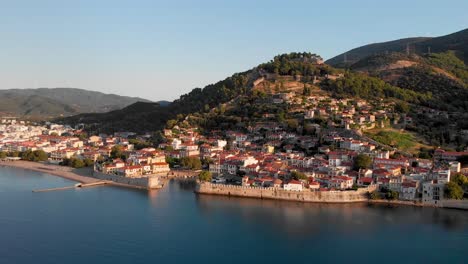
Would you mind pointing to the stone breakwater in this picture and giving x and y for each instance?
(360, 195)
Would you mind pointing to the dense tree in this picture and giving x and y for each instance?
(363, 86)
(453, 191)
(297, 175)
(459, 179)
(77, 163)
(83, 136)
(117, 152)
(205, 176)
(139, 144)
(424, 154)
(36, 155)
(391, 195)
(172, 162)
(362, 161)
(14, 154)
(88, 162)
(193, 163)
(375, 195)
(292, 124)
(296, 63)
(402, 107)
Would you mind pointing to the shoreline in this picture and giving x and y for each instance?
(345, 197)
(69, 174)
(61, 171)
(399, 202)
(56, 170)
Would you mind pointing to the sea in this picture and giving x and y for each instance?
(174, 225)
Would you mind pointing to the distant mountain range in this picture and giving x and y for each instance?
(456, 42)
(53, 102)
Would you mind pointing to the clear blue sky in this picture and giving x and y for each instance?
(162, 49)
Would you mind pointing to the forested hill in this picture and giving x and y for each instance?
(439, 76)
(53, 102)
(356, 54)
(443, 76)
(457, 42)
(141, 117)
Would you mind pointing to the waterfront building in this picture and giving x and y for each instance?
(293, 185)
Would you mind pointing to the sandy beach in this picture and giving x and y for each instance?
(79, 175)
(61, 171)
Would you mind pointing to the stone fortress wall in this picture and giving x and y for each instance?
(360, 195)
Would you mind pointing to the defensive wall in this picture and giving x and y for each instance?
(307, 195)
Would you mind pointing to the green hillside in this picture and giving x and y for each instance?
(53, 102)
(457, 42)
(142, 117)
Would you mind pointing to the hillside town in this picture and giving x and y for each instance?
(321, 149)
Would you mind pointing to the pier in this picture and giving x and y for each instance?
(78, 185)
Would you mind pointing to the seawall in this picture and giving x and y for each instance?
(280, 194)
(149, 182)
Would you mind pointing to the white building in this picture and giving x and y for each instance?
(293, 185)
(433, 192)
(409, 191)
(442, 176)
(176, 143)
(454, 166)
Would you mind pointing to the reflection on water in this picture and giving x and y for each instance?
(304, 219)
(172, 225)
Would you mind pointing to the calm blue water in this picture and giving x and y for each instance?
(173, 225)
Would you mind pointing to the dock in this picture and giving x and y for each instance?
(78, 185)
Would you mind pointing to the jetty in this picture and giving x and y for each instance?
(78, 185)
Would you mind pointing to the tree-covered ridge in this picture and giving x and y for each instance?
(381, 59)
(448, 94)
(144, 117)
(53, 102)
(213, 94)
(441, 76)
(302, 63)
(456, 42)
(235, 101)
(446, 63)
(366, 87)
(362, 52)
(449, 62)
